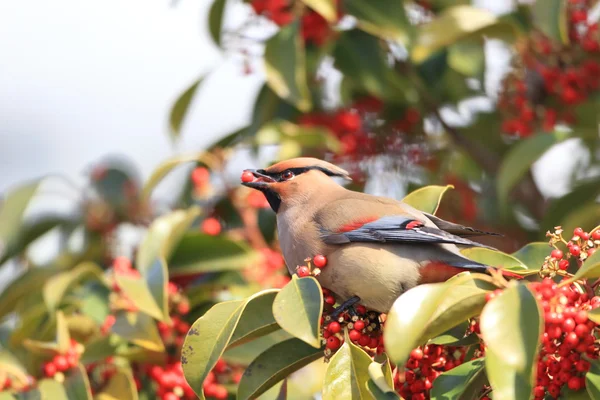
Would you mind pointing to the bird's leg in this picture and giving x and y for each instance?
(346, 305)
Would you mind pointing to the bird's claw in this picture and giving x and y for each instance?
(347, 305)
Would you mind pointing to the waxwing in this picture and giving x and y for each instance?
(376, 247)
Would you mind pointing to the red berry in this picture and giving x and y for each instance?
(49, 369)
(359, 325)
(582, 330)
(211, 226)
(334, 327)
(585, 236)
(61, 362)
(360, 309)
(577, 232)
(575, 250)
(200, 176)
(417, 354)
(333, 343)
(574, 383)
(354, 335)
(303, 271)
(320, 261)
(330, 300)
(596, 234)
(539, 391)
(571, 340)
(568, 325)
(169, 396)
(556, 254)
(581, 317)
(563, 264)
(247, 176)
(364, 340)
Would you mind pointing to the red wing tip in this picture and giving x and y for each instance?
(414, 224)
(356, 224)
(510, 274)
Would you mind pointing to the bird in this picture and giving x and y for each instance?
(376, 247)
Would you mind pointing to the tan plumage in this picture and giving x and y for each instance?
(370, 251)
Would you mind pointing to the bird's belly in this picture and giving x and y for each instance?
(377, 275)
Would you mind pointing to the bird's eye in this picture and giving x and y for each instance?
(287, 175)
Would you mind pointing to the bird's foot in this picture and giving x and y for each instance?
(347, 305)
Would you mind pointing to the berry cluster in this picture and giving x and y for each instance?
(121, 266)
(13, 383)
(581, 245)
(361, 133)
(171, 384)
(568, 341)
(173, 333)
(552, 79)
(425, 364)
(315, 29)
(61, 363)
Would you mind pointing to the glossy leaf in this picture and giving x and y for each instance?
(10, 364)
(589, 269)
(455, 336)
(63, 337)
(215, 19)
(55, 288)
(461, 383)
(532, 255)
(594, 315)
(379, 385)
(52, 389)
(511, 326)
(285, 66)
(29, 282)
(550, 17)
(275, 364)
(245, 352)
(210, 335)
(592, 380)
(149, 293)
(180, 108)
(139, 329)
(383, 18)
(298, 308)
(200, 253)
(467, 57)
(120, 387)
(12, 210)
(347, 374)
(493, 258)
(427, 199)
(453, 24)
(167, 166)
(407, 320)
(77, 384)
(327, 8)
(519, 160)
(464, 299)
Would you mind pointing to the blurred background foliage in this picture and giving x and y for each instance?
(399, 93)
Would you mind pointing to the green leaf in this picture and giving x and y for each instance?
(275, 364)
(78, 385)
(298, 308)
(467, 57)
(592, 380)
(379, 385)
(456, 336)
(63, 338)
(382, 18)
(215, 19)
(533, 255)
(550, 16)
(199, 253)
(589, 269)
(293, 139)
(149, 293)
(326, 8)
(52, 389)
(285, 66)
(180, 108)
(427, 199)
(10, 364)
(464, 299)
(98, 349)
(461, 383)
(407, 320)
(493, 258)
(361, 59)
(29, 282)
(511, 326)
(454, 24)
(120, 387)
(519, 160)
(95, 302)
(12, 209)
(245, 353)
(139, 329)
(347, 374)
(167, 166)
(56, 287)
(210, 335)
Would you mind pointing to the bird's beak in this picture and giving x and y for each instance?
(261, 180)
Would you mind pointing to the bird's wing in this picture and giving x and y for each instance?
(391, 229)
(457, 229)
